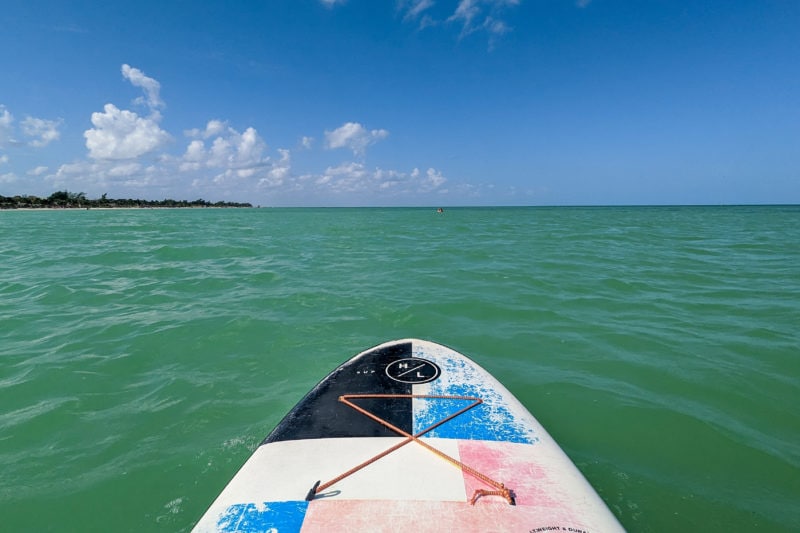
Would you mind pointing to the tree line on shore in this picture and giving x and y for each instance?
(66, 199)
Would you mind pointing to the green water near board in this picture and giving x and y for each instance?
(145, 353)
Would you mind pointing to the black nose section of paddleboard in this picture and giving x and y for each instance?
(320, 414)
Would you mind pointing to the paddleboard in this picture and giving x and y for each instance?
(409, 436)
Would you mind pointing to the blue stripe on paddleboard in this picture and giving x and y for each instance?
(492, 420)
(275, 517)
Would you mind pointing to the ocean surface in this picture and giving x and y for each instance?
(145, 353)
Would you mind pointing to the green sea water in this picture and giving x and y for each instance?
(145, 353)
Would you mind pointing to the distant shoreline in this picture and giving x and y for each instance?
(69, 200)
(119, 208)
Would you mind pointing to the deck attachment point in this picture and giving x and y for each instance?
(312, 492)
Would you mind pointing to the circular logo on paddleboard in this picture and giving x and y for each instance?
(412, 370)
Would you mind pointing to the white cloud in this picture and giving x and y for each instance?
(195, 151)
(122, 134)
(355, 178)
(354, 136)
(280, 171)
(6, 119)
(233, 159)
(433, 179)
(485, 15)
(331, 3)
(3, 159)
(465, 13)
(125, 178)
(414, 8)
(43, 131)
(221, 151)
(495, 27)
(124, 170)
(349, 177)
(150, 86)
(8, 178)
(250, 147)
(472, 16)
(38, 171)
(79, 174)
(194, 156)
(239, 150)
(307, 142)
(214, 127)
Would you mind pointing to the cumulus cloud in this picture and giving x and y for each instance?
(433, 179)
(42, 131)
(279, 172)
(222, 159)
(194, 156)
(126, 169)
(232, 156)
(3, 159)
(214, 127)
(125, 177)
(79, 173)
(150, 86)
(353, 136)
(218, 160)
(122, 134)
(355, 178)
(234, 149)
(349, 177)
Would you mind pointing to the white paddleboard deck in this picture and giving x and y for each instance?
(412, 488)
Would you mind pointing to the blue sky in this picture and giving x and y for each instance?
(403, 102)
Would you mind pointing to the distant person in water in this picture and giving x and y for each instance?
(440, 210)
